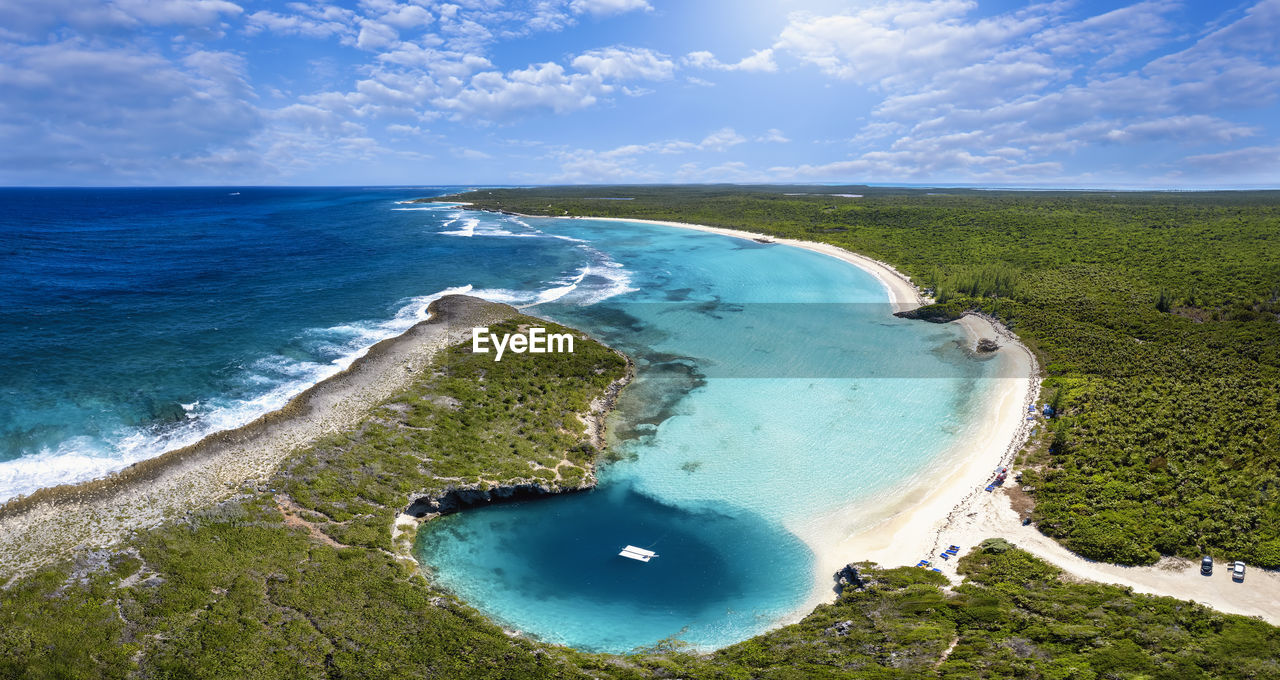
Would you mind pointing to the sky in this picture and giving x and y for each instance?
(387, 92)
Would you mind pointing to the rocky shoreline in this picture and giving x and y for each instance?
(426, 506)
(54, 523)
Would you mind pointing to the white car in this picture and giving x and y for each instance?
(1237, 571)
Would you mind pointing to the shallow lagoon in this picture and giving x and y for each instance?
(773, 388)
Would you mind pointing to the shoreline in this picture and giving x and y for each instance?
(53, 522)
(904, 296)
(916, 524)
(951, 507)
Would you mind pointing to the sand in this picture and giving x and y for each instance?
(1258, 595)
(903, 294)
(912, 526)
(936, 511)
(53, 523)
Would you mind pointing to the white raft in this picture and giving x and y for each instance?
(638, 554)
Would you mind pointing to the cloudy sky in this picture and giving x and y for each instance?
(1068, 93)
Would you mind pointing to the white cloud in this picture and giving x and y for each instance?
(1000, 95)
(721, 140)
(591, 167)
(608, 7)
(888, 166)
(758, 61)
(625, 63)
(181, 12)
(493, 95)
(439, 64)
(406, 17)
(732, 171)
(33, 19)
(773, 135)
(75, 109)
(1250, 160)
(540, 86)
(628, 162)
(375, 35)
(901, 39)
(1197, 128)
(1116, 36)
(471, 154)
(314, 22)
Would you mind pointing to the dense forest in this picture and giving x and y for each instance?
(298, 577)
(1156, 317)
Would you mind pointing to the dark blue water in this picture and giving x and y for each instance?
(775, 396)
(136, 320)
(560, 555)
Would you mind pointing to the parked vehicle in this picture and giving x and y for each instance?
(1237, 572)
(1206, 565)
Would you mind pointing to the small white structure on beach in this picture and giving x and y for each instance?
(638, 554)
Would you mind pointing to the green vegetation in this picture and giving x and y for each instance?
(1154, 316)
(235, 594)
(473, 424)
(257, 587)
(303, 582)
(1012, 618)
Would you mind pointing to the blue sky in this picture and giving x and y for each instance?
(169, 92)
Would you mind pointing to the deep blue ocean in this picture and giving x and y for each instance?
(774, 389)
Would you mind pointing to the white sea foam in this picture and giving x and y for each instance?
(468, 229)
(274, 379)
(616, 281)
(429, 206)
(74, 460)
(474, 226)
(588, 285)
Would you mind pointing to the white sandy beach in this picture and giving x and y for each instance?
(953, 508)
(914, 524)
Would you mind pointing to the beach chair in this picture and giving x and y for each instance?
(954, 549)
(945, 556)
(937, 570)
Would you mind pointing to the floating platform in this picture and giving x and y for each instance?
(638, 554)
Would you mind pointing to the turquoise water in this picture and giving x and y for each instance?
(773, 388)
(140, 320)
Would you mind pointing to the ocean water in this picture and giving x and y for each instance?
(139, 320)
(773, 385)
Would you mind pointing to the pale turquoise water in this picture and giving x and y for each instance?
(773, 387)
(773, 384)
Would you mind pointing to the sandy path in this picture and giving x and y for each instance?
(953, 508)
(53, 523)
(1258, 595)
